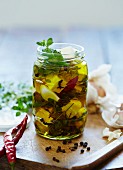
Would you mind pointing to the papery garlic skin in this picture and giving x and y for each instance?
(113, 116)
(92, 95)
(101, 78)
(102, 93)
(100, 89)
(101, 71)
(111, 134)
(106, 132)
(120, 117)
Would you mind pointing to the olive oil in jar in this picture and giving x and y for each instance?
(60, 77)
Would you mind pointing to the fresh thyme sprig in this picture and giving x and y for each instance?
(46, 43)
(52, 55)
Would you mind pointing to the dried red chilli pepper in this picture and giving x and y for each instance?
(70, 86)
(10, 149)
(13, 131)
(19, 130)
(10, 143)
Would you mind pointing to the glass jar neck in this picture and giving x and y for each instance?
(62, 52)
(66, 49)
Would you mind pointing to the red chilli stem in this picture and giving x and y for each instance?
(19, 129)
(12, 165)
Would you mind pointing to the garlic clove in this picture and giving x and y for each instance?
(111, 134)
(92, 95)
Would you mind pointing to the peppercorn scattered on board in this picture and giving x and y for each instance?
(34, 152)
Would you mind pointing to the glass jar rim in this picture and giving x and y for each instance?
(79, 48)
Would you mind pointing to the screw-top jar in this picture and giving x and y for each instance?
(60, 87)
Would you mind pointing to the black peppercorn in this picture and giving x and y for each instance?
(59, 148)
(63, 150)
(64, 142)
(55, 159)
(72, 148)
(85, 144)
(47, 148)
(69, 141)
(75, 144)
(88, 148)
(75, 147)
(81, 143)
(82, 151)
(57, 151)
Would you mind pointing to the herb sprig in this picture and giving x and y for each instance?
(52, 55)
(18, 97)
(46, 43)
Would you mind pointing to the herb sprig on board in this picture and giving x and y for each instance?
(18, 97)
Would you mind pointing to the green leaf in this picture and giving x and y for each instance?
(46, 43)
(49, 42)
(0, 85)
(18, 113)
(7, 94)
(52, 55)
(47, 50)
(15, 108)
(42, 43)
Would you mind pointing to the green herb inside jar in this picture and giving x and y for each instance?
(60, 81)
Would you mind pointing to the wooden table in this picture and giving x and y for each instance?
(18, 52)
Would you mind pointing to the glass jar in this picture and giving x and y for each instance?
(60, 87)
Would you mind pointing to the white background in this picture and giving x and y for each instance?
(60, 13)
